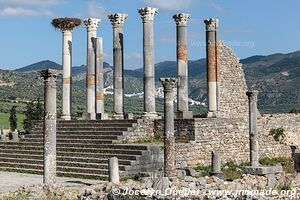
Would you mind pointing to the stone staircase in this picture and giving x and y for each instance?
(83, 149)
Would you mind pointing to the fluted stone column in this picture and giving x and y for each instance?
(254, 156)
(100, 114)
(49, 126)
(91, 26)
(212, 66)
(117, 20)
(169, 85)
(67, 77)
(181, 21)
(147, 15)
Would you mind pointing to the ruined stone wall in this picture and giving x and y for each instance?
(233, 102)
(231, 137)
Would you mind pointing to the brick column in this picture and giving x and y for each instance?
(49, 77)
(212, 66)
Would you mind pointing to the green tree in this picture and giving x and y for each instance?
(29, 116)
(39, 111)
(13, 118)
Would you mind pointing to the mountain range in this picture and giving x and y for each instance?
(276, 76)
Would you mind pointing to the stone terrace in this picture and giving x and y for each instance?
(83, 149)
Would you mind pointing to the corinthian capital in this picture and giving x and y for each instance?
(117, 19)
(211, 24)
(252, 95)
(91, 23)
(169, 83)
(147, 13)
(181, 19)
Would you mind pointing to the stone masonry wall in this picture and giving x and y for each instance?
(233, 102)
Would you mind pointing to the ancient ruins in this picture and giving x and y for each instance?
(97, 147)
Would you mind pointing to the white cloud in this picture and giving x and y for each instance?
(133, 60)
(10, 11)
(96, 10)
(44, 3)
(173, 5)
(26, 7)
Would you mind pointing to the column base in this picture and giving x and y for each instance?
(118, 116)
(101, 116)
(150, 115)
(89, 116)
(66, 117)
(217, 174)
(184, 115)
(211, 114)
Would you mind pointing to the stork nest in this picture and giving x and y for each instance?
(66, 23)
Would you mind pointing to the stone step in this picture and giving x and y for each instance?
(88, 125)
(75, 150)
(59, 163)
(102, 140)
(76, 136)
(85, 133)
(84, 129)
(60, 174)
(58, 168)
(39, 156)
(15, 145)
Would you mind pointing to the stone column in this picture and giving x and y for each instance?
(181, 21)
(49, 126)
(212, 66)
(100, 114)
(254, 156)
(113, 167)
(91, 26)
(67, 77)
(216, 164)
(169, 85)
(117, 20)
(66, 25)
(147, 15)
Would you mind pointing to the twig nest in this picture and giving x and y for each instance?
(66, 23)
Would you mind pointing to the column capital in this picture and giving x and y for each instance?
(92, 23)
(48, 73)
(168, 83)
(252, 95)
(147, 13)
(117, 19)
(211, 24)
(65, 23)
(181, 19)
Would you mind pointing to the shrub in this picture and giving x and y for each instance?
(278, 134)
(13, 118)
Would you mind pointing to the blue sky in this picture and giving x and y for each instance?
(249, 27)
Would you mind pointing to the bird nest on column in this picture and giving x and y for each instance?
(66, 23)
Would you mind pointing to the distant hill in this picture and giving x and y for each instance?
(45, 64)
(276, 76)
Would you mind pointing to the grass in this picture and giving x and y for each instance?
(287, 163)
(4, 120)
(232, 171)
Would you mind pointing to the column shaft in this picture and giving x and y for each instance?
(49, 126)
(118, 72)
(169, 138)
(253, 136)
(99, 76)
(67, 78)
(181, 21)
(91, 79)
(212, 66)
